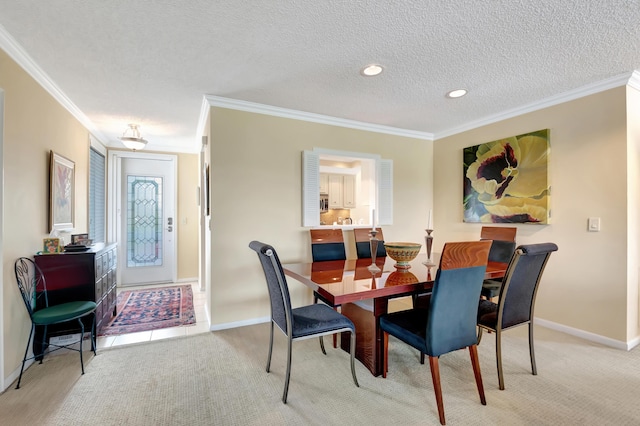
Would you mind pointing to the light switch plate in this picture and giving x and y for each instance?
(593, 224)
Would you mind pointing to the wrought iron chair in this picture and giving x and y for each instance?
(300, 323)
(363, 246)
(448, 323)
(504, 244)
(516, 301)
(33, 289)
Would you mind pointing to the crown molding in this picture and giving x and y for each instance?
(17, 53)
(589, 89)
(220, 102)
(634, 81)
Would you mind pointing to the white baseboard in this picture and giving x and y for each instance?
(228, 325)
(592, 337)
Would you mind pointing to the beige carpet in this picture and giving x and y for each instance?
(219, 379)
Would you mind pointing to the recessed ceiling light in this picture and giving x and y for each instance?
(371, 70)
(456, 93)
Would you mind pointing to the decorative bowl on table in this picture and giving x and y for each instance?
(402, 253)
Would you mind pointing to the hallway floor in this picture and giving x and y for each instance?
(201, 325)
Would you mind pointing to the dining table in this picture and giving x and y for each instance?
(362, 293)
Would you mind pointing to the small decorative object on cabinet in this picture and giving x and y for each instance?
(87, 275)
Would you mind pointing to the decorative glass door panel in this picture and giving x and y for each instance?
(144, 221)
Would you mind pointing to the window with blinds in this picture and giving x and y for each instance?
(97, 196)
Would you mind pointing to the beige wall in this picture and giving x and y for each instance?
(188, 216)
(633, 212)
(34, 124)
(256, 174)
(586, 283)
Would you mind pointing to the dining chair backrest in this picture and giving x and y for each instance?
(363, 246)
(276, 283)
(453, 311)
(520, 285)
(327, 244)
(32, 285)
(498, 233)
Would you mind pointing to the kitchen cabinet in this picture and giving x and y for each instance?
(349, 191)
(342, 191)
(324, 183)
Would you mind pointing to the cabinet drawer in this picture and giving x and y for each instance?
(99, 267)
(99, 292)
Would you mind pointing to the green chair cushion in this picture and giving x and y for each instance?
(63, 312)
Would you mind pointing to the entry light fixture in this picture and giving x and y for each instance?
(371, 70)
(132, 139)
(458, 93)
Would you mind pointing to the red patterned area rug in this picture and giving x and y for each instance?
(151, 309)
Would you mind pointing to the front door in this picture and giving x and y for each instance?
(147, 220)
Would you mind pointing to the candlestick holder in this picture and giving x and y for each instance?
(429, 241)
(373, 243)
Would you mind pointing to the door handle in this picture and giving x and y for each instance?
(169, 228)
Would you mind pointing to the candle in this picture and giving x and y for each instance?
(430, 221)
(373, 220)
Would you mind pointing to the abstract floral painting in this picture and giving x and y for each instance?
(506, 181)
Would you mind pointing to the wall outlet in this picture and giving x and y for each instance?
(593, 224)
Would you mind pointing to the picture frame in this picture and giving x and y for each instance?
(80, 239)
(507, 180)
(51, 245)
(61, 192)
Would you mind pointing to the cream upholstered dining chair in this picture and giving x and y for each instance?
(448, 322)
(516, 300)
(300, 323)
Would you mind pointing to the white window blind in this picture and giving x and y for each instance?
(97, 196)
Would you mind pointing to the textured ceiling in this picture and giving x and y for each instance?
(151, 62)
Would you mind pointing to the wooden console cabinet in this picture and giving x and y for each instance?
(86, 275)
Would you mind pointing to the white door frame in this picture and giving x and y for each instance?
(113, 200)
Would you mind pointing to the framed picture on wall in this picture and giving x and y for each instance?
(506, 181)
(61, 192)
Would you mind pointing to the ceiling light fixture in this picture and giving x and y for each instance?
(131, 138)
(371, 70)
(456, 93)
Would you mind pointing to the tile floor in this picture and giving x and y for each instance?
(201, 325)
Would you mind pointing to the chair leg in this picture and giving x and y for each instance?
(475, 363)
(352, 351)
(286, 380)
(385, 354)
(479, 334)
(270, 348)
(81, 337)
(42, 347)
(437, 386)
(322, 344)
(26, 351)
(421, 357)
(93, 334)
(532, 354)
(499, 359)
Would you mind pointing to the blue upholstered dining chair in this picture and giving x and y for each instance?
(448, 322)
(502, 248)
(363, 246)
(300, 323)
(516, 300)
(327, 244)
(33, 289)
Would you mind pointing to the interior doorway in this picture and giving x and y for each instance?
(143, 212)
